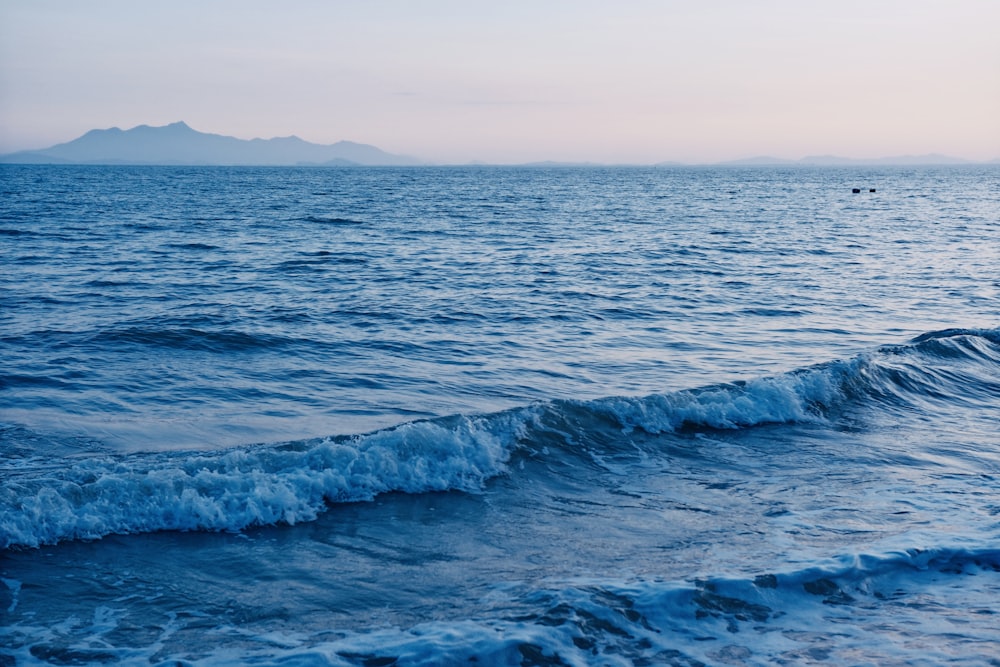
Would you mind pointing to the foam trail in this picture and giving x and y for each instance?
(772, 618)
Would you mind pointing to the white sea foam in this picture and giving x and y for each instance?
(894, 373)
(878, 603)
(794, 397)
(292, 483)
(251, 486)
(771, 618)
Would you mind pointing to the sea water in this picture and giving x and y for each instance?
(499, 416)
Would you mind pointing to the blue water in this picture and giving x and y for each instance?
(503, 416)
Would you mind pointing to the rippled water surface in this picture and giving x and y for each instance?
(509, 415)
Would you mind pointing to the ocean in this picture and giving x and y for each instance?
(499, 416)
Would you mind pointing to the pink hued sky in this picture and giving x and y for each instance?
(636, 81)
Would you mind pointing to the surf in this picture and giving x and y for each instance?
(45, 501)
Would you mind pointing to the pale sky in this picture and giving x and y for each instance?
(452, 81)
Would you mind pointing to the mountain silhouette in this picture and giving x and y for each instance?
(178, 144)
(837, 161)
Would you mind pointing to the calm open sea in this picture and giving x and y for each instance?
(499, 416)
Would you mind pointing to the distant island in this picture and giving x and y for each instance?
(178, 144)
(836, 161)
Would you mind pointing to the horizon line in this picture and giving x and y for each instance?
(826, 159)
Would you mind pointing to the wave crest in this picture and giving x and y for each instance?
(249, 486)
(801, 396)
(47, 502)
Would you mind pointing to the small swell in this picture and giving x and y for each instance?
(192, 339)
(25, 381)
(193, 246)
(331, 220)
(992, 335)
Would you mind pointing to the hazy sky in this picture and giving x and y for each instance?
(510, 81)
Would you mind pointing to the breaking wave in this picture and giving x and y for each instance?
(44, 501)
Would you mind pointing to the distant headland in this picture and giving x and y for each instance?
(836, 161)
(179, 144)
